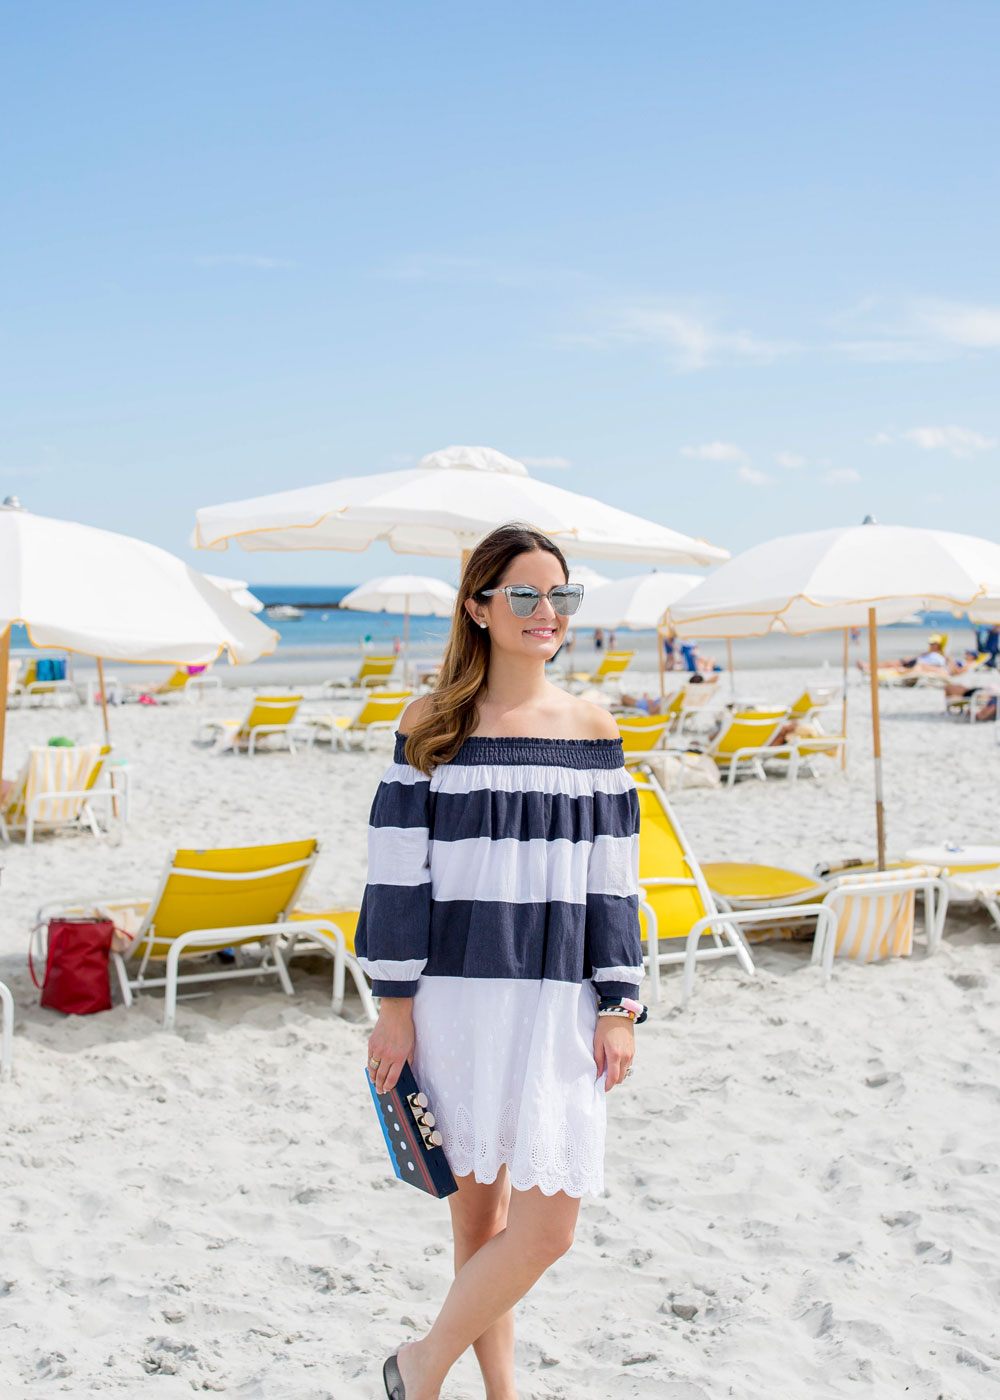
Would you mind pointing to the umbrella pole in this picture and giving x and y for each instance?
(4, 673)
(729, 662)
(104, 700)
(843, 708)
(876, 735)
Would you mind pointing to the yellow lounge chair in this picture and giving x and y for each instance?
(812, 701)
(641, 734)
(346, 921)
(211, 901)
(179, 685)
(379, 712)
(677, 906)
(689, 701)
(612, 667)
(58, 787)
(744, 742)
(375, 670)
(6, 1030)
(268, 715)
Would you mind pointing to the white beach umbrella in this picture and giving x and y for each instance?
(443, 507)
(637, 603)
(239, 590)
(854, 576)
(590, 578)
(110, 596)
(403, 593)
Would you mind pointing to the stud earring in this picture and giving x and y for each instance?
(483, 626)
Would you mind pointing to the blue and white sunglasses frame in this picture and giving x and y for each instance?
(521, 596)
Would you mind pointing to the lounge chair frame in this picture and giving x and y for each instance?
(725, 927)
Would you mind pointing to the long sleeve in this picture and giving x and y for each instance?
(613, 942)
(393, 930)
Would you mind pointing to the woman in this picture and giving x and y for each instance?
(500, 928)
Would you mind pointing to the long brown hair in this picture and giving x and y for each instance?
(450, 716)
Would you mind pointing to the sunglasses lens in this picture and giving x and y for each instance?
(566, 600)
(523, 601)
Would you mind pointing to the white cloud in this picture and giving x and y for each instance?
(842, 476)
(791, 461)
(717, 452)
(959, 323)
(753, 477)
(921, 329)
(958, 442)
(547, 463)
(243, 260)
(691, 341)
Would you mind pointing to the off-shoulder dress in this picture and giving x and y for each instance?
(502, 896)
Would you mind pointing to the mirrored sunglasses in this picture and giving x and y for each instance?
(523, 599)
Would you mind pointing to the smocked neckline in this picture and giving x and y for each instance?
(506, 748)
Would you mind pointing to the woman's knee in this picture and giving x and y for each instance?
(547, 1233)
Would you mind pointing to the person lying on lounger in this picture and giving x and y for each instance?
(933, 662)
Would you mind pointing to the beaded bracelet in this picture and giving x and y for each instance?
(616, 1011)
(616, 1004)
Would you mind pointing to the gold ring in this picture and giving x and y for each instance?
(374, 1063)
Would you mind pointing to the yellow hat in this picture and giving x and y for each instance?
(939, 637)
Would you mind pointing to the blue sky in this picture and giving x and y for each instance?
(732, 265)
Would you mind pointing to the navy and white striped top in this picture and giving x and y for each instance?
(518, 859)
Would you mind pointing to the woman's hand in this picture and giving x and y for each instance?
(614, 1048)
(391, 1042)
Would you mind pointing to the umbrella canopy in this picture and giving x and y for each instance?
(856, 576)
(637, 603)
(443, 507)
(87, 590)
(830, 579)
(403, 593)
(590, 578)
(106, 595)
(239, 591)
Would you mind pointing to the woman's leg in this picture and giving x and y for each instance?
(539, 1230)
(478, 1212)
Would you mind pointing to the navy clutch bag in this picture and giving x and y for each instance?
(410, 1135)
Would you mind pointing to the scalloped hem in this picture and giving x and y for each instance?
(594, 1187)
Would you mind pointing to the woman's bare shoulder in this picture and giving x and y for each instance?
(593, 721)
(415, 711)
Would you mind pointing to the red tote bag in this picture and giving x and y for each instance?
(77, 977)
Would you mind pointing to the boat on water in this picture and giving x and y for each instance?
(284, 612)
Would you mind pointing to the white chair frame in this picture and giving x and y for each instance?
(935, 896)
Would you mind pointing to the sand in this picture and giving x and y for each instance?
(802, 1180)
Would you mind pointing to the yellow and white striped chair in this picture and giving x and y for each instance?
(875, 916)
(58, 787)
